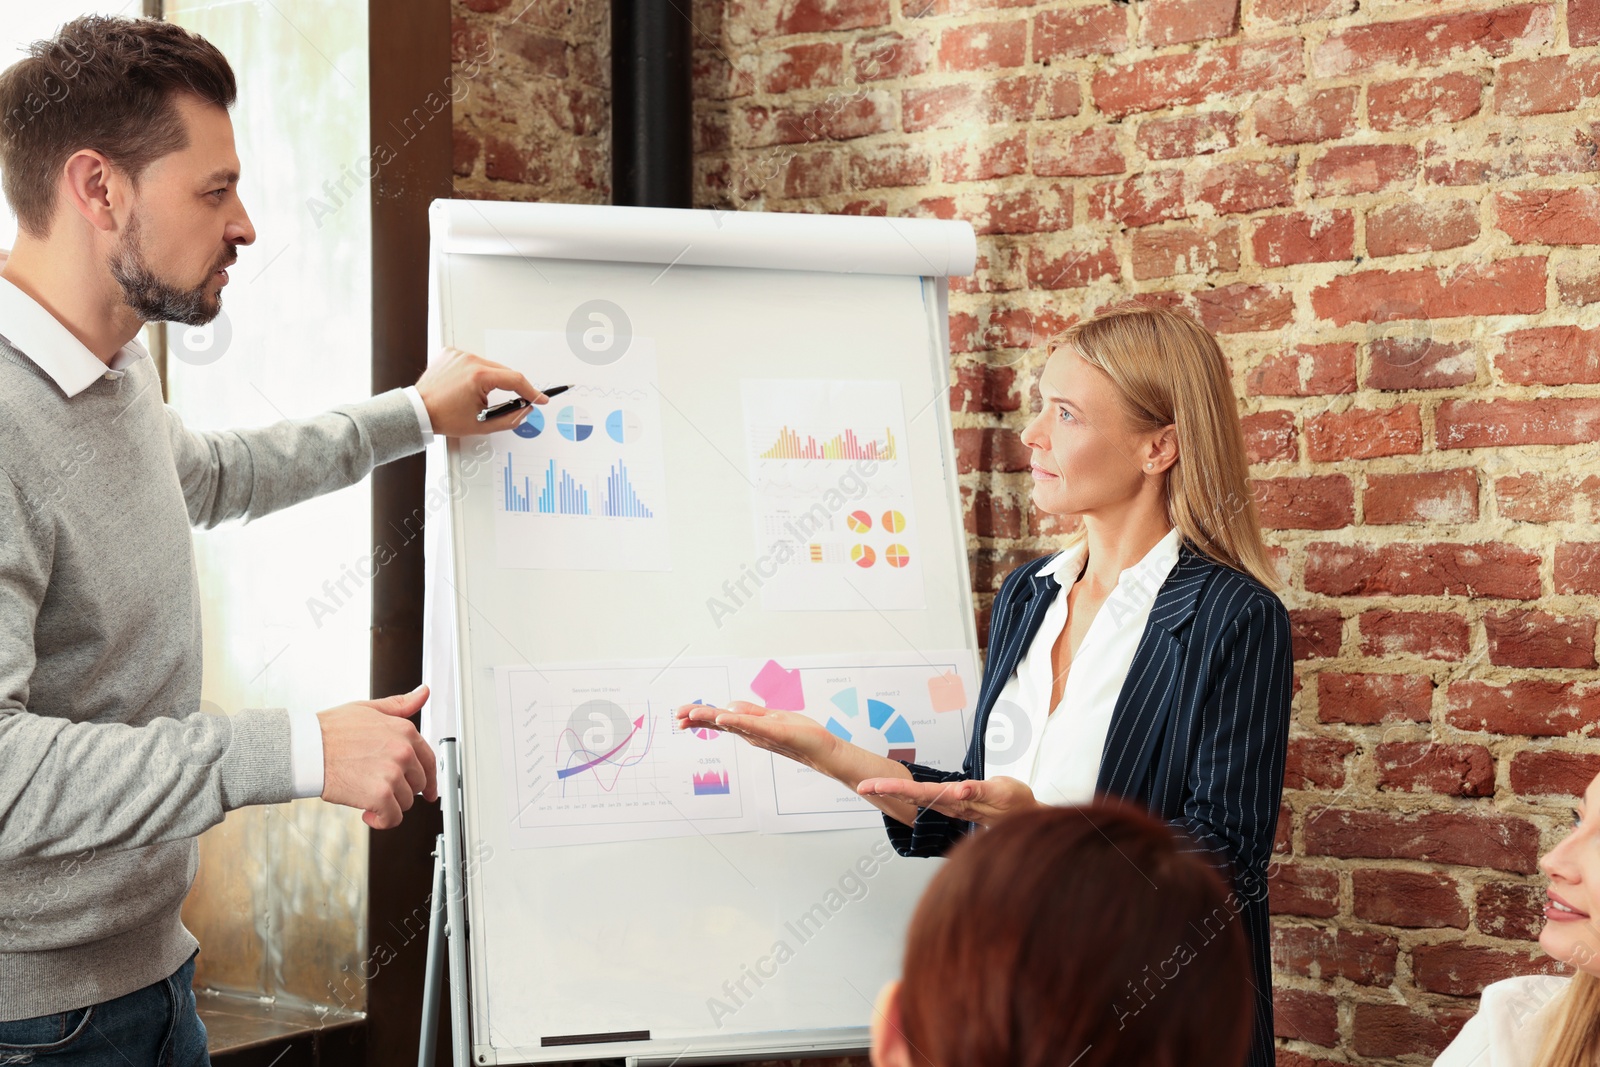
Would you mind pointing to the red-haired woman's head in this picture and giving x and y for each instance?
(1070, 936)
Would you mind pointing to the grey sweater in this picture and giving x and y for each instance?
(108, 769)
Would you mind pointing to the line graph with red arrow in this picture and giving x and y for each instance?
(604, 757)
(617, 758)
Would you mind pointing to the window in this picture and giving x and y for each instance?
(281, 892)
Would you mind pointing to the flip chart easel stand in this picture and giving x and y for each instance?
(446, 920)
(501, 269)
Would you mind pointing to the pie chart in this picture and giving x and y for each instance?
(623, 426)
(885, 730)
(532, 426)
(704, 733)
(863, 556)
(893, 521)
(858, 521)
(574, 424)
(896, 556)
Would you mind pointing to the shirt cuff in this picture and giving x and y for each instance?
(305, 753)
(422, 414)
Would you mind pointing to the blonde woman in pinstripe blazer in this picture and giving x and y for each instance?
(1148, 660)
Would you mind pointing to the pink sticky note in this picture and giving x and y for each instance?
(947, 692)
(779, 689)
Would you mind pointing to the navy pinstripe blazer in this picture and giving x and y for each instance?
(1198, 734)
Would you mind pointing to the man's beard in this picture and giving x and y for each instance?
(154, 300)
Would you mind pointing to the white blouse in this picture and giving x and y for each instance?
(1512, 1018)
(1057, 754)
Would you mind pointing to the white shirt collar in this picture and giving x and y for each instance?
(37, 334)
(1163, 552)
(1059, 560)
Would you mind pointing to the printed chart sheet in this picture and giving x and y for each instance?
(591, 752)
(582, 480)
(835, 524)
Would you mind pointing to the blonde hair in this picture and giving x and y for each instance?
(1170, 372)
(1573, 1039)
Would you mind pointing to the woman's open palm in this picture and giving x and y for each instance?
(985, 802)
(795, 736)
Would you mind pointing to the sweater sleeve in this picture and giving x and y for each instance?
(69, 787)
(234, 474)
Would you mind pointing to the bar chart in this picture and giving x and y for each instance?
(620, 500)
(564, 497)
(711, 783)
(562, 492)
(515, 499)
(845, 445)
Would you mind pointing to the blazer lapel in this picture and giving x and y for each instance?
(1023, 617)
(1150, 691)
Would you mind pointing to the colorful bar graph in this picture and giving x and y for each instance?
(841, 446)
(710, 783)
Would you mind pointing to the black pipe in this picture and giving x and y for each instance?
(652, 114)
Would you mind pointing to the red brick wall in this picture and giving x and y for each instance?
(531, 110)
(1387, 216)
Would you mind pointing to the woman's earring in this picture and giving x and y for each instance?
(1148, 466)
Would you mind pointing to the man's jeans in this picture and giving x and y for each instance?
(152, 1027)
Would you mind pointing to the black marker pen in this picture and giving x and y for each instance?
(516, 405)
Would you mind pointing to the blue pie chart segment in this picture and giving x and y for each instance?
(899, 732)
(883, 721)
(574, 424)
(623, 426)
(532, 426)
